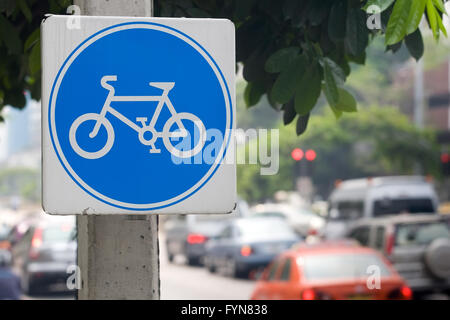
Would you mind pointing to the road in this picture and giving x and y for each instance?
(180, 281)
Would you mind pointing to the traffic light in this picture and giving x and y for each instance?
(310, 155)
(297, 154)
(303, 168)
(445, 163)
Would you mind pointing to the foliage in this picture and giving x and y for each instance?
(388, 143)
(261, 116)
(20, 182)
(292, 50)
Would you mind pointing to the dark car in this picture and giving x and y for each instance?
(187, 235)
(418, 246)
(44, 253)
(248, 244)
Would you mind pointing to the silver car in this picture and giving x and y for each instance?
(417, 245)
(44, 253)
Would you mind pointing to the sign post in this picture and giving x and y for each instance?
(138, 116)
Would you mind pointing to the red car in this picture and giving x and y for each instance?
(331, 271)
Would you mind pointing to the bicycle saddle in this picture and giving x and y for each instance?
(166, 86)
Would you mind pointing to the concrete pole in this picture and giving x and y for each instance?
(118, 256)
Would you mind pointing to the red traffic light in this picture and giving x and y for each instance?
(297, 154)
(310, 155)
(445, 158)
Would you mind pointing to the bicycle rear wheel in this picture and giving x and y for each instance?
(167, 134)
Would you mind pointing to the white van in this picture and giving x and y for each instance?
(374, 197)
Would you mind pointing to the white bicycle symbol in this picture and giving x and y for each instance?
(166, 134)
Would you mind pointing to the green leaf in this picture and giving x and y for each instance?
(330, 88)
(34, 60)
(337, 113)
(25, 10)
(382, 4)
(308, 90)
(415, 15)
(302, 124)
(357, 37)
(278, 61)
(284, 87)
(441, 25)
(336, 21)
(414, 43)
(359, 59)
(32, 39)
(397, 25)
(346, 103)
(252, 94)
(10, 36)
(338, 73)
(432, 13)
(289, 112)
(394, 47)
(440, 5)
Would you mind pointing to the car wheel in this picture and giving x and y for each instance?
(210, 265)
(231, 269)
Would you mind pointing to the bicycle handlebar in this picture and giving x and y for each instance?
(104, 82)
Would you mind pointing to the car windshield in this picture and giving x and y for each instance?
(421, 233)
(340, 266)
(392, 206)
(58, 233)
(264, 227)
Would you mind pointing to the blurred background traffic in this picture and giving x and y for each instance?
(359, 209)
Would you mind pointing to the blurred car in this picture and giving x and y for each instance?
(303, 221)
(187, 235)
(9, 282)
(4, 241)
(44, 253)
(248, 244)
(329, 271)
(375, 197)
(418, 246)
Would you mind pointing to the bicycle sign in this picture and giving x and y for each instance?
(132, 107)
(101, 120)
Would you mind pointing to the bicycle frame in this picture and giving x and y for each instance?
(162, 100)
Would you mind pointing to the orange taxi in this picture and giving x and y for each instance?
(331, 271)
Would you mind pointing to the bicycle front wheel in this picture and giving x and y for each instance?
(73, 136)
(168, 134)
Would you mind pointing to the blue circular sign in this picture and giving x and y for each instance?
(132, 111)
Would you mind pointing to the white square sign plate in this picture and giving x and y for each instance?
(138, 115)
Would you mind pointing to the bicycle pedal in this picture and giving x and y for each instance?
(155, 150)
(141, 119)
